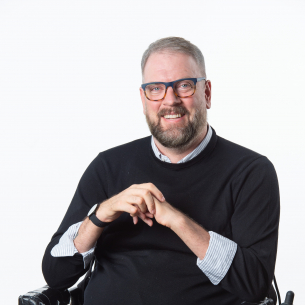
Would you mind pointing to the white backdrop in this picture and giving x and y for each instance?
(56, 56)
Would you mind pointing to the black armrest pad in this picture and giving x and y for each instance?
(76, 296)
(45, 296)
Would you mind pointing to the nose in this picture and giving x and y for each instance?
(171, 98)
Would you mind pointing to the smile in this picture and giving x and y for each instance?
(172, 116)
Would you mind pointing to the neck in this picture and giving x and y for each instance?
(176, 154)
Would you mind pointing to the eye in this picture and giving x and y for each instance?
(154, 88)
(185, 85)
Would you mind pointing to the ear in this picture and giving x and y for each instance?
(143, 98)
(208, 93)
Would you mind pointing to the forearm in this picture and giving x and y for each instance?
(87, 236)
(192, 234)
(214, 252)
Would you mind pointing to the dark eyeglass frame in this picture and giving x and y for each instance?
(171, 84)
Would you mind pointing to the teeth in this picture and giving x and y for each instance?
(172, 116)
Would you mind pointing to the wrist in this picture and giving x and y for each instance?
(87, 236)
(177, 221)
(93, 216)
(100, 213)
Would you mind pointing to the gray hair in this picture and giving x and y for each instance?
(175, 45)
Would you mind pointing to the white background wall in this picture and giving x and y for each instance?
(56, 58)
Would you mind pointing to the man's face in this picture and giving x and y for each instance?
(177, 132)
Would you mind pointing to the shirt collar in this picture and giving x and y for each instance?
(191, 155)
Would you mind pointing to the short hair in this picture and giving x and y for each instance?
(175, 45)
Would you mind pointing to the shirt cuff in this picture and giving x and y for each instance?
(218, 258)
(66, 246)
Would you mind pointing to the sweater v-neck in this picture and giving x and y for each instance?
(178, 166)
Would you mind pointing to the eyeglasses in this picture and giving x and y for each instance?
(184, 87)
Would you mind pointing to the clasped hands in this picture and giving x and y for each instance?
(139, 200)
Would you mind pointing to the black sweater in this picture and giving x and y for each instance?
(227, 188)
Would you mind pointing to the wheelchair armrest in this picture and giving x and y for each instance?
(76, 296)
(45, 296)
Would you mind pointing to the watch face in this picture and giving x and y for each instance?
(92, 210)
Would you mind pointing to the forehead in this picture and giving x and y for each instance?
(168, 66)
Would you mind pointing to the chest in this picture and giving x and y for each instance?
(204, 193)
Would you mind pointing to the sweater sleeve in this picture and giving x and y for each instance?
(61, 272)
(254, 224)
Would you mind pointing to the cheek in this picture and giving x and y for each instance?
(199, 102)
(191, 105)
(152, 108)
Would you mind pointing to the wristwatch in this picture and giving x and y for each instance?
(94, 219)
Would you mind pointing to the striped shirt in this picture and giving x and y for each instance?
(219, 255)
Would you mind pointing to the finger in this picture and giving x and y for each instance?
(147, 214)
(138, 201)
(148, 197)
(143, 198)
(150, 215)
(138, 212)
(156, 201)
(144, 217)
(148, 200)
(152, 188)
(129, 208)
(135, 219)
(147, 203)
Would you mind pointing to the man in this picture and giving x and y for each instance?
(209, 208)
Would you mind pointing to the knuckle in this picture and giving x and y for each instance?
(146, 192)
(133, 210)
(135, 199)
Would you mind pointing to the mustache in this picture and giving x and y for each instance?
(177, 110)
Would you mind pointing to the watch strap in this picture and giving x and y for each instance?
(98, 222)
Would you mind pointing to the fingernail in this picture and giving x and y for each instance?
(153, 211)
(163, 199)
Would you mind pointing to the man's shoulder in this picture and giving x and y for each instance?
(230, 148)
(127, 150)
(242, 160)
(241, 156)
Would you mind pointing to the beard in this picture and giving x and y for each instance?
(179, 137)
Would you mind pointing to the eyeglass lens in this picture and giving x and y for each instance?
(182, 88)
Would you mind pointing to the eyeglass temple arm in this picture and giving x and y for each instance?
(200, 78)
